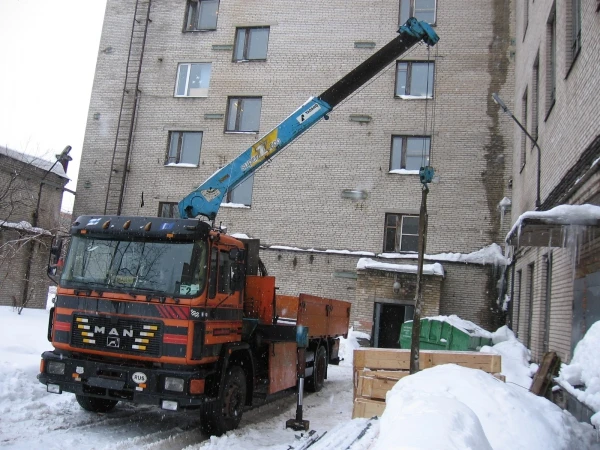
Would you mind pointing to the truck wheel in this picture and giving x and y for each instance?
(315, 382)
(94, 404)
(225, 414)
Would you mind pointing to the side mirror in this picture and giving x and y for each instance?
(235, 254)
(55, 260)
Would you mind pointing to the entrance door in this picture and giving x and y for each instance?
(389, 317)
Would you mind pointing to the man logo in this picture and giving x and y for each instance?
(112, 341)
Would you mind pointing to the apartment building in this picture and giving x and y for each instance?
(31, 191)
(184, 86)
(556, 269)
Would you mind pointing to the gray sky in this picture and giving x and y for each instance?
(48, 51)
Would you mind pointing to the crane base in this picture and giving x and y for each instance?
(297, 425)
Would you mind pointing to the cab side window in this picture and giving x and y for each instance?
(212, 288)
(224, 273)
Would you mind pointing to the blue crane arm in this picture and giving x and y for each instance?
(206, 199)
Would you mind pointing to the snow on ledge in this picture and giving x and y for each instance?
(428, 269)
(24, 226)
(235, 205)
(560, 215)
(404, 171)
(492, 254)
(314, 250)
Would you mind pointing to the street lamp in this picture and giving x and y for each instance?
(502, 105)
(63, 158)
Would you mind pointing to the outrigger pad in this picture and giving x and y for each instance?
(297, 425)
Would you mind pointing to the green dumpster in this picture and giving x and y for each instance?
(442, 335)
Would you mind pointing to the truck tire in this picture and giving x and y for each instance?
(315, 382)
(94, 404)
(225, 414)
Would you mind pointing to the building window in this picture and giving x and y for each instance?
(409, 152)
(184, 148)
(414, 79)
(242, 193)
(243, 114)
(401, 233)
(251, 44)
(192, 80)
(168, 209)
(420, 9)
(202, 15)
(551, 60)
(575, 34)
(524, 123)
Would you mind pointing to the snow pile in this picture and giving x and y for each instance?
(515, 357)
(428, 269)
(348, 345)
(452, 407)
(582, 377)
(463, 325)
(445, 407)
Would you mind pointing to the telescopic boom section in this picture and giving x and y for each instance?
(207, 198)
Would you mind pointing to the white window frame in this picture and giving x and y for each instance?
(202, 92)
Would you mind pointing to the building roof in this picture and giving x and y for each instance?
(35, 161)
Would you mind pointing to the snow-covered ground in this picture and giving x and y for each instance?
(446, 407)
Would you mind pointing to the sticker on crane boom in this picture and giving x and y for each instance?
(309, 112)
(262, 150)
(210, 194)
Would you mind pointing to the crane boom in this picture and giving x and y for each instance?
(206, 199)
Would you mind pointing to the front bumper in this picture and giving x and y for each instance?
(122, 382)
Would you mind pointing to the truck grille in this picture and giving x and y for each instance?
(118, 335)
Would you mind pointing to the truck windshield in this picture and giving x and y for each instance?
(155, 268)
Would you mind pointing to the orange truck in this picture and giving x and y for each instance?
(174, 313)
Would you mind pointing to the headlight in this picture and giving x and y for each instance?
(56, 368)
(174, 384)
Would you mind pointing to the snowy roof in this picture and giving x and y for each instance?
(553, 227)
(428, 269)
(35, 161)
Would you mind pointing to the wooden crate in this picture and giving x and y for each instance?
(364, 407)
(377, 370)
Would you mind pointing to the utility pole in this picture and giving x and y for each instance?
(425, 176)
